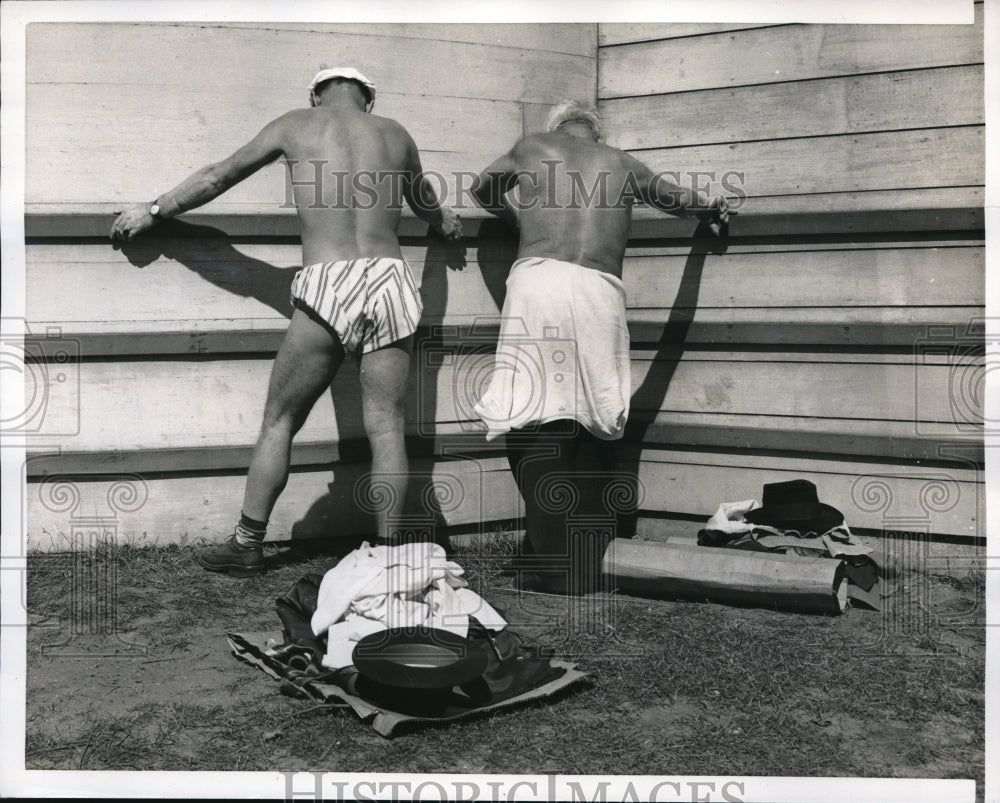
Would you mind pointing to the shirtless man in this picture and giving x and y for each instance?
(355, 293)
(561, 378)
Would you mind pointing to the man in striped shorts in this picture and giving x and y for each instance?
(355, 294)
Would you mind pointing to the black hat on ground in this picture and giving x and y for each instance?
(419, 658)
(794, 505)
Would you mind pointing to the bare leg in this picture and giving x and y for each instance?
(384, 376)
(306, 364)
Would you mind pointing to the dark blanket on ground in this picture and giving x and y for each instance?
(515, 671)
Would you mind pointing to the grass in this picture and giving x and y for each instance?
(681, 688)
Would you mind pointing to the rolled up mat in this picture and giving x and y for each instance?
(666, 570)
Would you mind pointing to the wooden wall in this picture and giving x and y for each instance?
(176, 332)
(840, 337)
(139, 106)
(816, 117)
(834, 340)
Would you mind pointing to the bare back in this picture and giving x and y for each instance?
(574, 200)
(347, 169)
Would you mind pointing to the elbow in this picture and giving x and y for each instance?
(215, 180)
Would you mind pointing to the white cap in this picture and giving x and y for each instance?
(343, 72)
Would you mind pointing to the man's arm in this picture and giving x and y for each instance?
(661, 193)
(492, 186)
(205, 184)
(423, 200)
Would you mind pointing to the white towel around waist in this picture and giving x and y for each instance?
(563, 351)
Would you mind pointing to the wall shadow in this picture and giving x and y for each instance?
(649, 396)
(443, 344)
(210, 253)
(497, 250)
(444, 434)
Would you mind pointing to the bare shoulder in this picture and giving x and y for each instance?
(532, 142)
(286, 127)
(629, 162)
(292, 118)
(390, 127)
(533, 147)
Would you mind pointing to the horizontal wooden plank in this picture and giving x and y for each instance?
(944, 201)
(222, 283)
(224, 286)
(784, 53)
(933, 443)
(808, 217)
(282, 252)
(859, 277)
(169, 407)
(946, 96)
(108, 53)
(871, 204)
(902, 441)
(316, 503)
(576, 38)
(816, 326)
(624, 33)
(851, 390)
(740, 247)
(180, 509)
(71, 160)
(871, 495)
(849, 163)
(819, 327)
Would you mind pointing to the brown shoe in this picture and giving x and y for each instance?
(232, 558)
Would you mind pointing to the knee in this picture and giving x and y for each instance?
(278, 419)
(384, 421)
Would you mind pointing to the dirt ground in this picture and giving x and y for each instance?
(129, 668)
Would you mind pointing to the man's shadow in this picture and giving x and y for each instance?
(649, 396)
(211, 254)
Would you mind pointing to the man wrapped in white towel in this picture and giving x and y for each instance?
(561, 377)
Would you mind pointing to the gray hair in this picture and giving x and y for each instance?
(573, 111)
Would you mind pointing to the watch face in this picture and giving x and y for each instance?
(154, 210)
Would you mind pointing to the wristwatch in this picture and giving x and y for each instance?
(154, 210)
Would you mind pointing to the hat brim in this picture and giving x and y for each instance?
(422, 658)
(827, 518)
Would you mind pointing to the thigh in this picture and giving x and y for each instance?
(306, 364)
(385, 373)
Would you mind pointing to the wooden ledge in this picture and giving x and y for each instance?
(896, 443)
(93, 225)
(167, 339)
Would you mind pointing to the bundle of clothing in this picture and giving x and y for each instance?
(792, 520)
(410, 587)
(375, 588)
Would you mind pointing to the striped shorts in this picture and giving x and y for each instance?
(369, 303)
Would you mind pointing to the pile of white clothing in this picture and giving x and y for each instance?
(411, 585)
